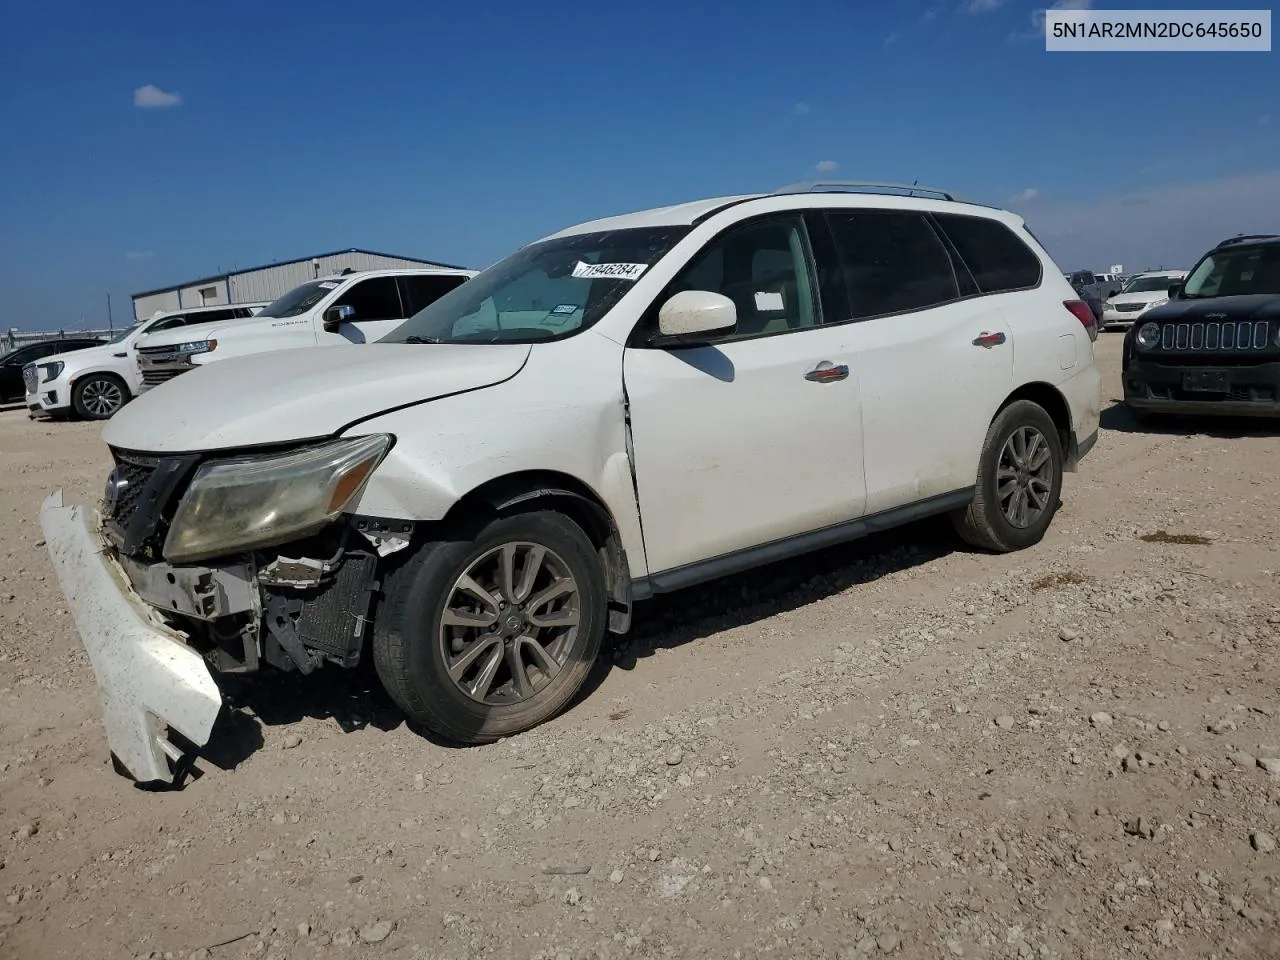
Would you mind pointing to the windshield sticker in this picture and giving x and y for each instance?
(565, 310)
(611, 271)
(329, 285)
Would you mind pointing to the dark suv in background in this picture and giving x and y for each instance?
(1214, 348)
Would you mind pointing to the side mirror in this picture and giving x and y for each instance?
(335, 317)
(1174, 290)
(689, 316)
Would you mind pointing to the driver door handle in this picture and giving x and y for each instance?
(827, 372)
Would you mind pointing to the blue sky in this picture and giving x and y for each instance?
(151, 143)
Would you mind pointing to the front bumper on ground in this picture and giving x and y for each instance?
(1114, 318)
(148, 679)
(1246, 390)
(49, 399)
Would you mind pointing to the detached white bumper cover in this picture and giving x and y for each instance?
(147, 677)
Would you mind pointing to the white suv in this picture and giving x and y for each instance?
(353, 307)
(1140, 293)
(97, 382)
(627, 407)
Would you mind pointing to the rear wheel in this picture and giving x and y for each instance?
(484, 638)
(98, 396)
(1019, 481)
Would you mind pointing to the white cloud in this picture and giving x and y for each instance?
(892, 39)
(1170, 225)
(826, 166)
(1025, 196)
(139, 255)
(152, 96)
(1038, 18)
(929, 16)
(981, 6)
(802, 109)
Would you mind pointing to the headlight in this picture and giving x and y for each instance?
(242, 504)
(1148, 335)
(53, 370)
(196, 346)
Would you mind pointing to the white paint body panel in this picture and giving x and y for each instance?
(246, 401)
(928, 396)
(147, 677)
(734, 447)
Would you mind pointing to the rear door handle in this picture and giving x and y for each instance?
(989, 340)
(827, 372)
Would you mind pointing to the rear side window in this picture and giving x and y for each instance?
(998, 260)
(421, 292)
(892, 262)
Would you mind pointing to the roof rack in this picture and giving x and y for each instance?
(861, 186)
(1242, 238)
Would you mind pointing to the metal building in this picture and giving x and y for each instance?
(264, 282)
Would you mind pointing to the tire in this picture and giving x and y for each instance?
(413, 648)
(985, 523)
(99, 396)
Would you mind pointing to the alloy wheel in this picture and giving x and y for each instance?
(509, 622)
(1024, 476)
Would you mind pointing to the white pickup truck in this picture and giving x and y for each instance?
(355, 307)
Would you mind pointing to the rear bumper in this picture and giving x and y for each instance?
(1250, 390)
(149, 680)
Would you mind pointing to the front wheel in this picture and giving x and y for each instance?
(98, 396)
(483, 638)
(1019, 481)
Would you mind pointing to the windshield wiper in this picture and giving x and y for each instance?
(417, 339)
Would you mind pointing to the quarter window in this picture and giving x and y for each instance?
(892, 262)
(998, 260)
(763, 267)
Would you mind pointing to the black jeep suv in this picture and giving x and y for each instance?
(1214, 348)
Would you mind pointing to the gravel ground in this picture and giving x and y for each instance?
(894, 747)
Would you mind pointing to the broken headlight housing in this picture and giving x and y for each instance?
(242, 504)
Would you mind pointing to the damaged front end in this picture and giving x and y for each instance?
(154, 628)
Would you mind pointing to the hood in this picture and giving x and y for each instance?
(87, 354)
(1222, 309)
(1146, 296)
(289, 395)
(205, 331)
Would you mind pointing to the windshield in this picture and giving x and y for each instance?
(545, 291)
(127, 331)
(1149, 284)
(1235, 273)
(300, 299)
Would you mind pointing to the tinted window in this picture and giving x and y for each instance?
(763, 267)
(209, 316)
(995, 256)
(420, 292)
(891, 262)
(373, 299)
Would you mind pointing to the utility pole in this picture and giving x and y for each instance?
(111, 325)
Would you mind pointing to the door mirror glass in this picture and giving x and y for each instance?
(692, 314)
(335, 317)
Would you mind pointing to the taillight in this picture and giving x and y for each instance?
(1082, 313)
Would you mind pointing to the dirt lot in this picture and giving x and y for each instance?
(891, 747)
